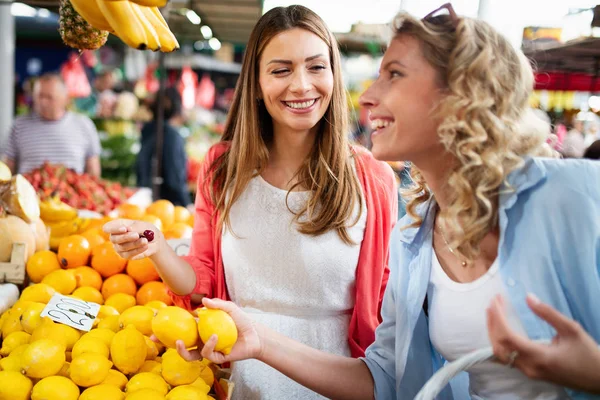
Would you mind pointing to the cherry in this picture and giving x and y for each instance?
(149, 235)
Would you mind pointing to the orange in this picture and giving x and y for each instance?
(153, 219)
(41, 264)
(87, 277)
(95, 236)
(179, 230)
(181, 214)
(142, 271)
(190, 220)
(153, 291)
(74, 251)
(130, 211)
(119, 283)
(106, 261)
(163, 209)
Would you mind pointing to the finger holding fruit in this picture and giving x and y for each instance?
(134, 240)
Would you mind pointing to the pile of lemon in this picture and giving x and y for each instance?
(41, 359)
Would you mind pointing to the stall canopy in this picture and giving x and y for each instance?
(574, 65)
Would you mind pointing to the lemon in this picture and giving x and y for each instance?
(104, 312)
(186, 392)
(13, 341)
(55, 388)
(61, 280)
(138, 316)
(87, 293)
(11, 363)
(146, 394)
(217, 322)
(207, 374)
(19, 350)
(151, 366)
(120, 301)
(43, 358)
(90, 345)
(128, 350)
(102, 392)
(115, 378)
(156, 305)
(31, 319)
(201, 384)
(111, 323)
(57, 332)
(14, 386)
(147, 380)
(12, 323)
(40, 293)
(178, 371)
(151, 349)
(89, 369)
(65, 370)
(105, 335)
(173, 323)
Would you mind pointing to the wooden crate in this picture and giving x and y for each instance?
(14, 270)
(223, 386)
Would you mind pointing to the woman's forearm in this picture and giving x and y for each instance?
(175, 272)
(333, 376)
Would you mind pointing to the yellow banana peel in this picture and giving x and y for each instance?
(90, 11)
(153, 39)
(168, 42)
(125, 22)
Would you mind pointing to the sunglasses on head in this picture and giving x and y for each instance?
(442, 15)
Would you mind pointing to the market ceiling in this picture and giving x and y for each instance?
(230, 20)
(579, 55)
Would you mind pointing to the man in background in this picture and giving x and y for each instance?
(51, 133)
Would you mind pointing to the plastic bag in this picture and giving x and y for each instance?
(76, 80)
(206, 93)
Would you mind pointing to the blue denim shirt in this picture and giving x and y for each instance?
(549, 216)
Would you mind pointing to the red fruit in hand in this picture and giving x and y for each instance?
(148, 234)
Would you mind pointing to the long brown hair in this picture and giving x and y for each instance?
(327, 172)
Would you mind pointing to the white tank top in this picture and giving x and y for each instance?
(457, 326)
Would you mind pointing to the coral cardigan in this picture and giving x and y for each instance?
(381, 197)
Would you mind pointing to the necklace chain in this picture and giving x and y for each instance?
(462, 261)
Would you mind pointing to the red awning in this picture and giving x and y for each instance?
(568, 81)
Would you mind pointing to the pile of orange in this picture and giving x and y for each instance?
(100, 273)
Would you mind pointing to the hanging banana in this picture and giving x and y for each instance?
(154, 42)
(148, 3)
(168, 42)
(90, 11)
(125, 22)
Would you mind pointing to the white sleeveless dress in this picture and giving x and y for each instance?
(299, 285)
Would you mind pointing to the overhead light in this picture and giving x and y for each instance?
(214, 44)
(22, 10)
(206, 31)
(193, 17)
(43, 12)
(199, 45)
(594, 103)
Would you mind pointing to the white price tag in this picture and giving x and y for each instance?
(76, 313)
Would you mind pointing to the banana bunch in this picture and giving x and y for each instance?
(138, 23)
(61, 219)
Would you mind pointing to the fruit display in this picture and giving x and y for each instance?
(116, 359)
(85, 24)
(81, 191)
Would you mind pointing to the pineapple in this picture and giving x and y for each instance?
(76, 31)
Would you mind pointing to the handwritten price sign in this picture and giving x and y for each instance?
(75, 313)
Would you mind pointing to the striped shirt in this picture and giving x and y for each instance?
(69, 141)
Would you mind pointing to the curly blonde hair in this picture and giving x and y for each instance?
(485, 122)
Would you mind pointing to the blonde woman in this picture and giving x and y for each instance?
(487, 219)
(291, 223)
